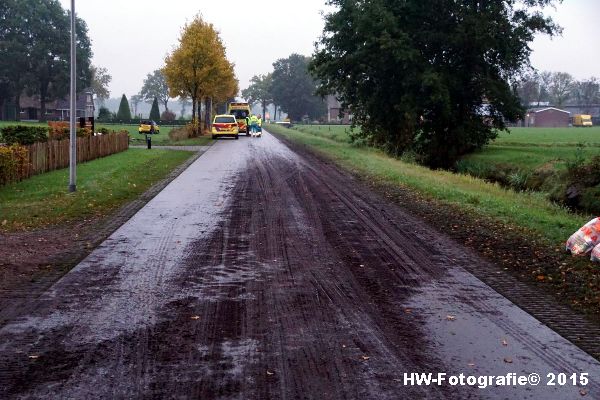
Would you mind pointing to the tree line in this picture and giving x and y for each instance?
(558, 89)
(289, 88)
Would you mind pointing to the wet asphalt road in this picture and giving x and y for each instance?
(260, 273)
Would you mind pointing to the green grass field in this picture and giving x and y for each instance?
(529, 149)
(103, 185)
(550, 137)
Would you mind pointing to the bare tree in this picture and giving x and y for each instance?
(586, 93)
(561, 87)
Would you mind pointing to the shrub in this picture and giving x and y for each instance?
(104, 114)
(84, 132)
(184, 132)
(58, 130)
(24, 135)
(13, 163)
(168, 116)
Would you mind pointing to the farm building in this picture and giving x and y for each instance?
(548, 118)
(56, 110)
(334, 109)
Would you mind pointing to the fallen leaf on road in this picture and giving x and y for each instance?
(583, 392)
(270, 373)
(195, 317)
(34, 357)
(365, 358)
(408, 310)
(504, 342)
(508, 360)
(541, 277)
(451, 318)
(471, 364)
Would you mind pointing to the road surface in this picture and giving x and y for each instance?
(262, 273)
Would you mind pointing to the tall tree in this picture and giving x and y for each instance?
(124, 113)
(561, 87)
(545, 80)
(154, 111)
(14, 47)
(293, 88)
(415, 73)
(184, 102)
(528, 88)
(155, 87)
(198, 68)
(100, 81)
(34, 39)
(586, 93)
(260, 91)
(136, 99)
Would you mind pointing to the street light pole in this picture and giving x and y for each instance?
(73, 111)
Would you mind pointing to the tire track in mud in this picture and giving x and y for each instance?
(319, 331)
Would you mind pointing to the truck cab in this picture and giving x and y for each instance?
(582, 120)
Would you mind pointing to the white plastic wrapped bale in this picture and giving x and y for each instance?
(596, 254)
(585, 239)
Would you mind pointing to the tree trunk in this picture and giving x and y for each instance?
(18, 107)
(264, 110)
(207, 112)
(275, 116)
(194, 125)
(200, 117)
(42, 116)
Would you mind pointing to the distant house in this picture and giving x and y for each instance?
(548, 118)
(57, 110)
(335, 113)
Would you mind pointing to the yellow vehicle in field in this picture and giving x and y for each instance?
(582, 120)
(241, 111)
(148, 128)
(226, 126)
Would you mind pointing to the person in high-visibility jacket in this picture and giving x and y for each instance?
(254, 125)
(259, 125)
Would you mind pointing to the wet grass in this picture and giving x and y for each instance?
(527, 210)
(103, 185)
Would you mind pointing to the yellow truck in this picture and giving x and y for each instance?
(241, 111)
(582, 120)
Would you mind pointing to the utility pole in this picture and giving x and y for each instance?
(73, 111)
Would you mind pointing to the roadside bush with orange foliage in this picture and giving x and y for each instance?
(58, 130)
(13, 163)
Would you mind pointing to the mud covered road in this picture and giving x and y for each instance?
(261, 273)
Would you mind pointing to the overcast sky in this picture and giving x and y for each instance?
(132, 37)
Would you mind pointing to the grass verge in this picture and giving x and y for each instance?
(103, 185)
(528, 210)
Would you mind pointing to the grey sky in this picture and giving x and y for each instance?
(132, 37)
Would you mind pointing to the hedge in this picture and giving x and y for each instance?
(13, 163)
(24, 135)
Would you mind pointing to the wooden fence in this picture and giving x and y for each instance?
(54, 154)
